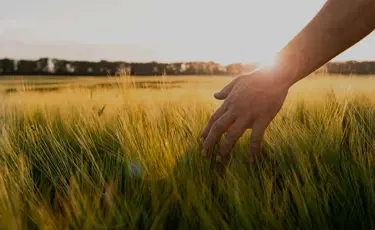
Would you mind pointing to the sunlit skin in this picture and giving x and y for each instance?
(251, 101)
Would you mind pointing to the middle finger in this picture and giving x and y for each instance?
(217, 129)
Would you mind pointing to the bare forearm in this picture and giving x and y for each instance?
(253, 100)
(339, 25)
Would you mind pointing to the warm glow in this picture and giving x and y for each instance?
(166, 31)
(268, 63)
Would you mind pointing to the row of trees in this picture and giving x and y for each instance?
(46, 66)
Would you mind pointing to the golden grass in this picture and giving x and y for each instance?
(70, 158)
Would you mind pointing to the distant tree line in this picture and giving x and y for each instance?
(46, 66)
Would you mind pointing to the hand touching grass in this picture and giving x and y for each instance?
(251, 101)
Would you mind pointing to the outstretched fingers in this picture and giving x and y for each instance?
(218, 113)
(215, 132)
(256, 138)
(230, 140)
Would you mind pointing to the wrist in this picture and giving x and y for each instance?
(282, 75)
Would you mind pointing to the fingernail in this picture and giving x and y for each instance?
(204, 152)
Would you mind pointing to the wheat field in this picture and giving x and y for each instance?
(89, 153)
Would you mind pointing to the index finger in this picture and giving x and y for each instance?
(218, 113)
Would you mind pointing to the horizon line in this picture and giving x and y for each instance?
(163, 62)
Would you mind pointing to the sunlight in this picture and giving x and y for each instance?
(268, 62)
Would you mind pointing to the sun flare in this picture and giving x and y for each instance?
(268, 62)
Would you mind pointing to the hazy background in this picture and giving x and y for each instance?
(163, 30)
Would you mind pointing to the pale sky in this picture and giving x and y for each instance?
(161, 30)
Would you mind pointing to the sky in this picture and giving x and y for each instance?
(158, 30)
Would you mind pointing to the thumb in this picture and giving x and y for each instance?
(222, 94)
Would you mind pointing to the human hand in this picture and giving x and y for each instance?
(250, 101)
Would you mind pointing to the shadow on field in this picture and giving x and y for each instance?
(318, 174)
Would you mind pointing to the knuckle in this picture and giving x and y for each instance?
(207, 142)
(210, 141)
(231, 102)
(217, 127)
(231, 136)
(215, 116)
(225, 150)
(205, 132)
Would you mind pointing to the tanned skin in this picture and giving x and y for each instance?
(251, 101)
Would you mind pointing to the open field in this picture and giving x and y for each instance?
(87, 153)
